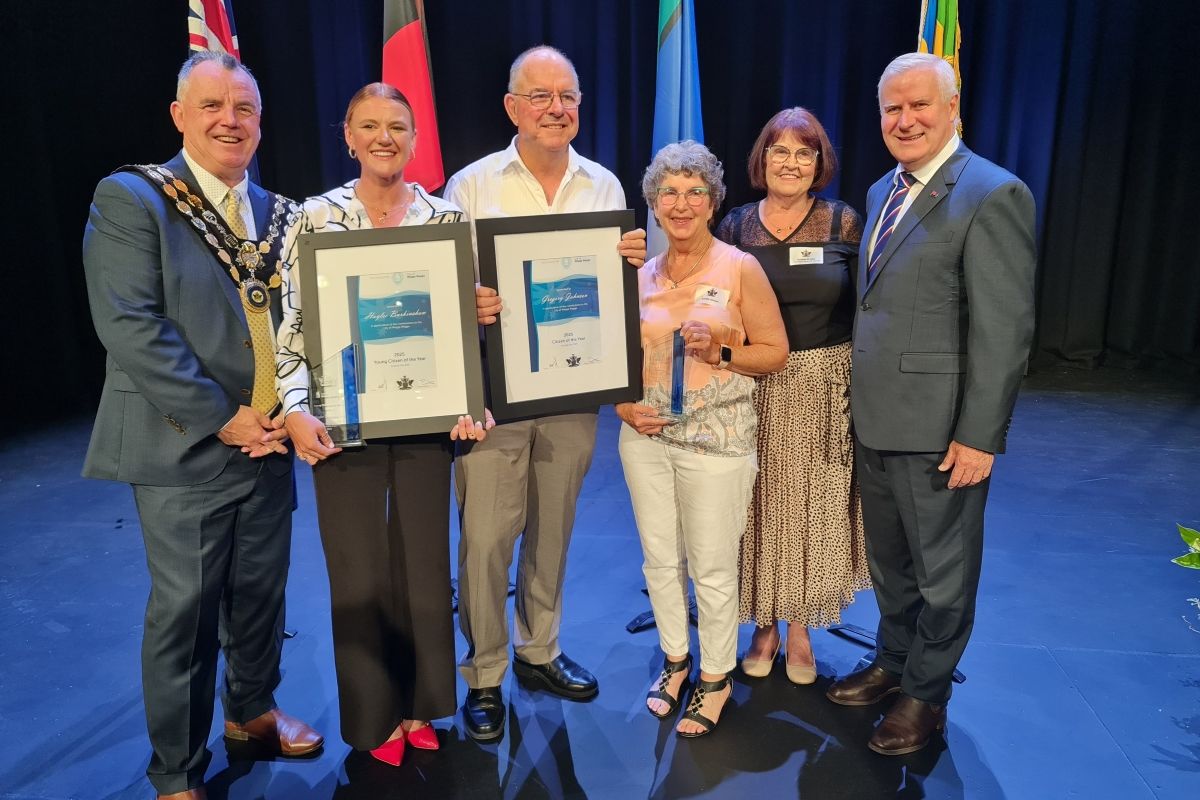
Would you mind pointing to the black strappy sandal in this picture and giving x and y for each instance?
(697, 701)
(669, 670)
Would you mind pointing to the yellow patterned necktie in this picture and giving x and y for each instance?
(258, 319)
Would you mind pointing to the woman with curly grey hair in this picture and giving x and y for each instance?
(690, 473)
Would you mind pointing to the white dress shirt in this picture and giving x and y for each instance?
(214, 191)
(921, 177)
(500, 185)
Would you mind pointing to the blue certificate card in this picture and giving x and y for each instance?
(392, 327)
(563, 305)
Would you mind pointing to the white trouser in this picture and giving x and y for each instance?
(691, 512)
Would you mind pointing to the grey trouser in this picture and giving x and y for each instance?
(925, 550)
(525, 476)
(216, 551)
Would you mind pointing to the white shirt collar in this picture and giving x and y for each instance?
(511, 159)
(213, 188)
(419, 210)
(925, 174)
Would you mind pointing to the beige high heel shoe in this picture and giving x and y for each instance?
(761, 668)
(802, 674)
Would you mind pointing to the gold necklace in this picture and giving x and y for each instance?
(383, 215)
(696, 263)
(798, 218)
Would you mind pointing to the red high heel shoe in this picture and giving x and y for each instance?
(423, 738)
(390, 752)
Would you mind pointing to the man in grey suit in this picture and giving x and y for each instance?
(181, 262)
(941, 338)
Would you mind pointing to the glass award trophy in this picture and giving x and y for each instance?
(664, 373)
(333, 397)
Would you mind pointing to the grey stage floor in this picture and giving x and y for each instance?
(1083, 677)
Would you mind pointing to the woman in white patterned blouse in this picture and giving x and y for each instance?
(383, 511)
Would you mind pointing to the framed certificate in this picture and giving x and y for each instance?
(569, 336)
(390, 329)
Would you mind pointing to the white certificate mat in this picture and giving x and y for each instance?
(417, 365)
(376, 404)
(568, 337)
(609, 371)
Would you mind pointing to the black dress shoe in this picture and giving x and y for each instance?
(865, 687)
(562, 676)
(908, 727)
(483, 714)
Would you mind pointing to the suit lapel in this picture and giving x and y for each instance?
(258, 203)
(179, 166)
(876, 197)
(931, 195)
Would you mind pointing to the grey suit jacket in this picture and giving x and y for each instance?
(943, 328)
(179, 357)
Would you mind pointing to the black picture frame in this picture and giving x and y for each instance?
(443, 253)
(505, 245)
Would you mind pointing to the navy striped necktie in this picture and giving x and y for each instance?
(891, 213)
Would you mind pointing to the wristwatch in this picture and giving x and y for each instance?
(726, 357)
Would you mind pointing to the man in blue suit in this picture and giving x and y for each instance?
(181, 266)
(941, 337)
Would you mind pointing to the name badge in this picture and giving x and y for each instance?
(711, 296)
(806, 255)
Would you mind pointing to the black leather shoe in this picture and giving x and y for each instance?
(483, 714)
(908, 727)
(562, 676)
(865, 687)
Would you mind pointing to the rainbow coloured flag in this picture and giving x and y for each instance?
(940, 32)
(940, 35)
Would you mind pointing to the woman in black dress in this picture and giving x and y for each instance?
(803, 554)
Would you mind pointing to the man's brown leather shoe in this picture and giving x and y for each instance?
(907, 727)
(191, 794)
(283, 733)
(864, 687)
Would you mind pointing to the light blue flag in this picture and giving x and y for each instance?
(677, 90)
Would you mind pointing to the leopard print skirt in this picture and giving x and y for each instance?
(803, 555)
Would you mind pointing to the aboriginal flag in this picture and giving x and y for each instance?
(406, 66)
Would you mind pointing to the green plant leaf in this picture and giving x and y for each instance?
(1189, 560)
(1189, 535)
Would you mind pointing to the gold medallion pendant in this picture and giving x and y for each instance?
(255, 297)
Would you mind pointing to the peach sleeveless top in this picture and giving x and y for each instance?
(718, 412)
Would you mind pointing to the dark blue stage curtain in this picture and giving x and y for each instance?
(1091, 102)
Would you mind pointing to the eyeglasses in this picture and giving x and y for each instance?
(695, 196)
(778, 155)
(543, 100)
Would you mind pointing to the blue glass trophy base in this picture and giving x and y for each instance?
(334, 397)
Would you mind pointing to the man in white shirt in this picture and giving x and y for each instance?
(941, 336)
(180, 265)
(524, 479)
